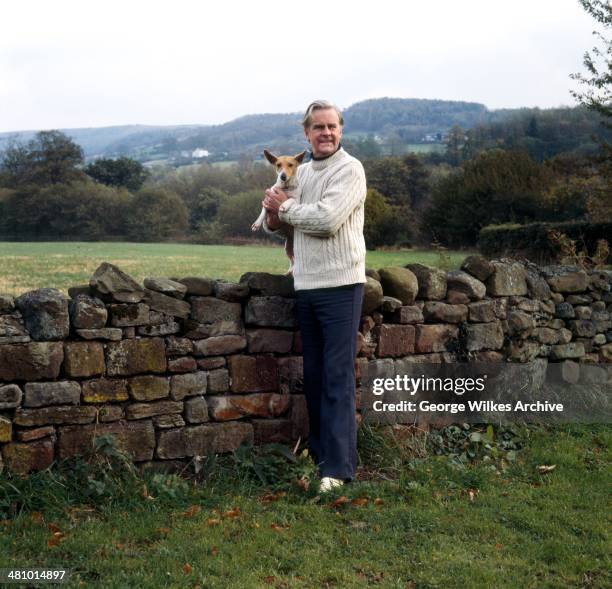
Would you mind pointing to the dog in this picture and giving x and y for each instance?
(286, 167)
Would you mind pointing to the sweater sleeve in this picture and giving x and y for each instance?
(344, 193)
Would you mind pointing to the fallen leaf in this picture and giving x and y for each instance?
(269, 579)
(272, 497)
(120, 546)
(211, 521)
(499, 546)
(187, 568)
(472, 494)
(340, 501)
(378, 501)
(214, 551)
(359, 501)
(53, 541)
(233, 512)
(192, 511)
(163, 530)
(37, 517)
(277, 528)
(546, 468)
(54, 528)
(304, 483)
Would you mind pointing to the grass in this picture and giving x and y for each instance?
(424, 521)
(26, 266)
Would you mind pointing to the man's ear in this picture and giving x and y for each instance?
(270, 157)
(299, 157)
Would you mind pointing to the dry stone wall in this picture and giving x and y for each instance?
(177, 368)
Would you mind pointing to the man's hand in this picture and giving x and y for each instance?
(275, 197)
(272, 221)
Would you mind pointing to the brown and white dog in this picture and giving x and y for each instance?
(286, 178)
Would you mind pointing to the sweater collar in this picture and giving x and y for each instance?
(328, 160)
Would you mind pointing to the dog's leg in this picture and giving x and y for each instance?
(289, 252)
(257, 225)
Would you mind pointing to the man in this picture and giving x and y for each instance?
(326, 213)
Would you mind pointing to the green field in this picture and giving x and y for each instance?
(26, 266)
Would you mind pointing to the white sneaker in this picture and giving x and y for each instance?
(328, 483)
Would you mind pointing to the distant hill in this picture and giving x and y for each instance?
(408, 120)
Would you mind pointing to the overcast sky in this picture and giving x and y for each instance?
(82, 64)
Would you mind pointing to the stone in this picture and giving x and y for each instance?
(432, 281)
(137, 438)
(87, 312)
(54, 415)
(212, 310)
(270, 311)
(166, 304)
(520, 324)
(444, 313)
(183, 364)
(372, 274)
(7, 303)
(220, 345)
(269, 340)
(484, 336)
(145, 410)
(194, 330)
(537, 287)
(10, 396)
(567, 351)
(579, 299)
(583, 312)
(606, 352)
(259, 404)
(290, 375)
(508, 278)
(482, 311)
(103, 390)
(299, 417)
(178, 346)
(107, 333)
(454, 297)
(394, 340)
(435, 338)
(390, 304)
(400, 283)
(31, 361)
(135, 356)
(156, 330)
(203, 440)
(148, 387)
(408, 314)
(6, 429)
(478, 266)
(523, 351)
(524, 304)
(108, 413)
(564, 335)
(599, 339)
(29, 435)
(187, 385)
(211, 363)
(82, 359)
(233, 292)
(198, 286)
(582, 328)
(45, 314)
(165, 286)
(564, 311)
(167, 421)
(196, 410)
(218, 381)
(124, 315)
(252, 374)
(39, 394)
(272, 431)
(372, 296)
(22, 458)
(547, 307)
(79, 289)
(112, 284)
(266, 284)
(546, 335)
(12, 326)
(566, 279)
(460, 281)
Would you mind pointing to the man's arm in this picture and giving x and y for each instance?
(346, 191)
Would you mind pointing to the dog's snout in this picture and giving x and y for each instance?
(283, 177)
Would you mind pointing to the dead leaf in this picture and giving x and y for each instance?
(472, 494)
(54, 528)
(340, 501)
(120, 546)
(270, 497)
(37, 517)
(233, 513)
(192, 511)
(214, 551)
(163, 531)
(187, 568)
(360, 501)
(378, 501)
(546, 468)
(211, 521)
(304, 483)
(277, 528)
(145, 493)
(53, 542)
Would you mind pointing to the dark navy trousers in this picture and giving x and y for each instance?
(329, 320)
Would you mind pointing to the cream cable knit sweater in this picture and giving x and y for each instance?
(326, 212)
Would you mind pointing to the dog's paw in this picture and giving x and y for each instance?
(255, 227)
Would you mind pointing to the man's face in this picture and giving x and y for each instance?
(324, 132)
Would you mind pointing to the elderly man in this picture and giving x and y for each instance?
(326, 213)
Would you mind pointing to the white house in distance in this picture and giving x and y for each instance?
(199, 153)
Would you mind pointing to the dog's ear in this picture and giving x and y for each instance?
(299, 157)
(270, 157)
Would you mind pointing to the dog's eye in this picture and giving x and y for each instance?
(291, 165)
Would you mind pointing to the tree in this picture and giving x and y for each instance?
(598, 62)
(50, 158)
(123, 171)
(156, 214)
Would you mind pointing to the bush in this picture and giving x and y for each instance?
(384, 224)
(533, 240)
